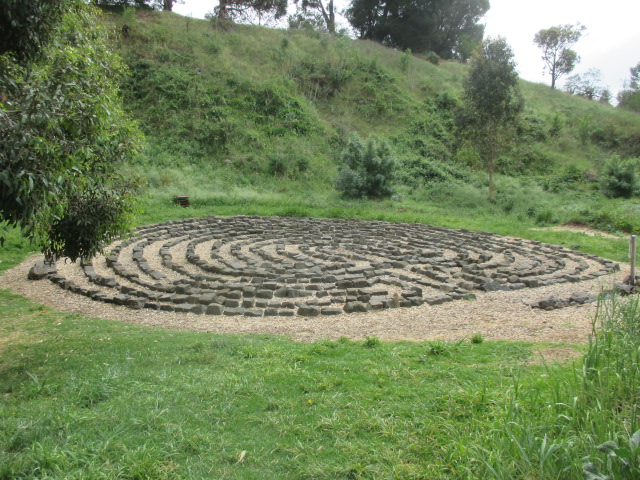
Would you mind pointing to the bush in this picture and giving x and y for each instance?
(619, 177)
(420, 171)
(367, 169)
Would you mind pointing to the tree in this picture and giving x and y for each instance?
(27, 26)
(587, 85)
(450, 28)
(64, 135)
(629, 98)
(492, 101)
(316, 8)
(556, 43)
(243, 9)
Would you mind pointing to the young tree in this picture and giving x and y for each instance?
(556, 43)
(492, 100)
(64, 135)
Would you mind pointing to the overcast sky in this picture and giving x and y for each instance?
(611, 42)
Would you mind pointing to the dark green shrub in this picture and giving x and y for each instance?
(525, 159)
(367, 169)
(287, 164)
(433, 58)
(566, 179)
(619, 177)
(421, 171)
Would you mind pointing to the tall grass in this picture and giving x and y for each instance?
(581, 420)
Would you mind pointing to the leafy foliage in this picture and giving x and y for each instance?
(243, 9)
(619, 177)
(492, 100)
(367, 169)
(27, 26)
(556, 43)
(450, 28)
(63, 138)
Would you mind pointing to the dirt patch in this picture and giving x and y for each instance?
(551, 355)
(592, 232)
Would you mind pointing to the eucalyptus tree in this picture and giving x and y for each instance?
(492, 101)
(556, 43)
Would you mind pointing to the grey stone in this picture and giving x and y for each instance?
(308, 310)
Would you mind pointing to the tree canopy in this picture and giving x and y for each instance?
(556, 43)
(243, 9)
(492, 100)
(63, 134)
(318, 12)
(449, 28)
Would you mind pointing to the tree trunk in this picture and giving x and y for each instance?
(492, 163)
(167, 5)
(222, 10)
(328, 16)
(332, 18)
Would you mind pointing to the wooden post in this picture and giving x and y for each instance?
(632, 255)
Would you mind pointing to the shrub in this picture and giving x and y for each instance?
(619, 177)
(433, 58)
(418, 170)
(367, 169)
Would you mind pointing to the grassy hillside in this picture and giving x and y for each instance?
(254, 119)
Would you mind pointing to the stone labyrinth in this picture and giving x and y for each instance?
(271, 266)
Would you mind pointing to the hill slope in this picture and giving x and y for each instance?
(250, 116)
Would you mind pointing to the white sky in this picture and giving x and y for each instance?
(611, 42)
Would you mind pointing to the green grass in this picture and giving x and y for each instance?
(89, 398)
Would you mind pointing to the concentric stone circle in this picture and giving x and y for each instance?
(274, 266)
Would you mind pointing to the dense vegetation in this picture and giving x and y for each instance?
(63, 132)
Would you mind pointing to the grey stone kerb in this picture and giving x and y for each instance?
(273, 266)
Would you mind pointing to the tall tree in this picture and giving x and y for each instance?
(243, 9)
(629, 98)
(492, 101)
(317, 8)
(63, 133)
(449, 28)
(556, 43)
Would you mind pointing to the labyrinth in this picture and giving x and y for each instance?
(272, 266)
